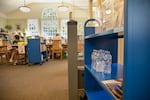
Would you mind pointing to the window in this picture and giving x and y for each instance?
(33, 27)
(49, 23)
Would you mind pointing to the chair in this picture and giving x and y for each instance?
(65, 51)
(3, 52)
(57, 48)
(21, 55)
(49, 50)
(18, 54)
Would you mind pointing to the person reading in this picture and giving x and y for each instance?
(57, 37)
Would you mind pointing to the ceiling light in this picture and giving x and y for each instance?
(63, 7)
(108, 11)
(24, 8)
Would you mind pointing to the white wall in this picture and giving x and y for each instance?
(3, 20)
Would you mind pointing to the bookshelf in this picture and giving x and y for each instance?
(36, 51)
(136, 54)
(107, 40)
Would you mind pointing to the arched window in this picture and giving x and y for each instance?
(49, 23)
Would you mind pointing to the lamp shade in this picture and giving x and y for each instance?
(108, 11)
(62, 8)
(24, 9)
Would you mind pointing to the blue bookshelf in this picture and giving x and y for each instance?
(35, 54)
(136, 70)
(108, 40)
(137, 50)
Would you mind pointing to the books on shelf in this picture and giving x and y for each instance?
(115, 87)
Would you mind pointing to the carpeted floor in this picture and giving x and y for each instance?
(36, 82)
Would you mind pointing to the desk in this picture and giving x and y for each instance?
(63, 45)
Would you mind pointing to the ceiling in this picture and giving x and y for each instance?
(7, 6)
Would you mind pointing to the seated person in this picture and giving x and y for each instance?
(57, 37)
(63, 40)
(13, 57)
(50, 41)
(21, 36)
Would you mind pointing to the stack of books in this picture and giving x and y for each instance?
(115, 87)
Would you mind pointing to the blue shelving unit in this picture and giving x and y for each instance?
(108, 40)
(35, 55)
(136, 69)
(136, 85)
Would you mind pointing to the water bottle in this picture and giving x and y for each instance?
(93, 60)
(108, 62)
